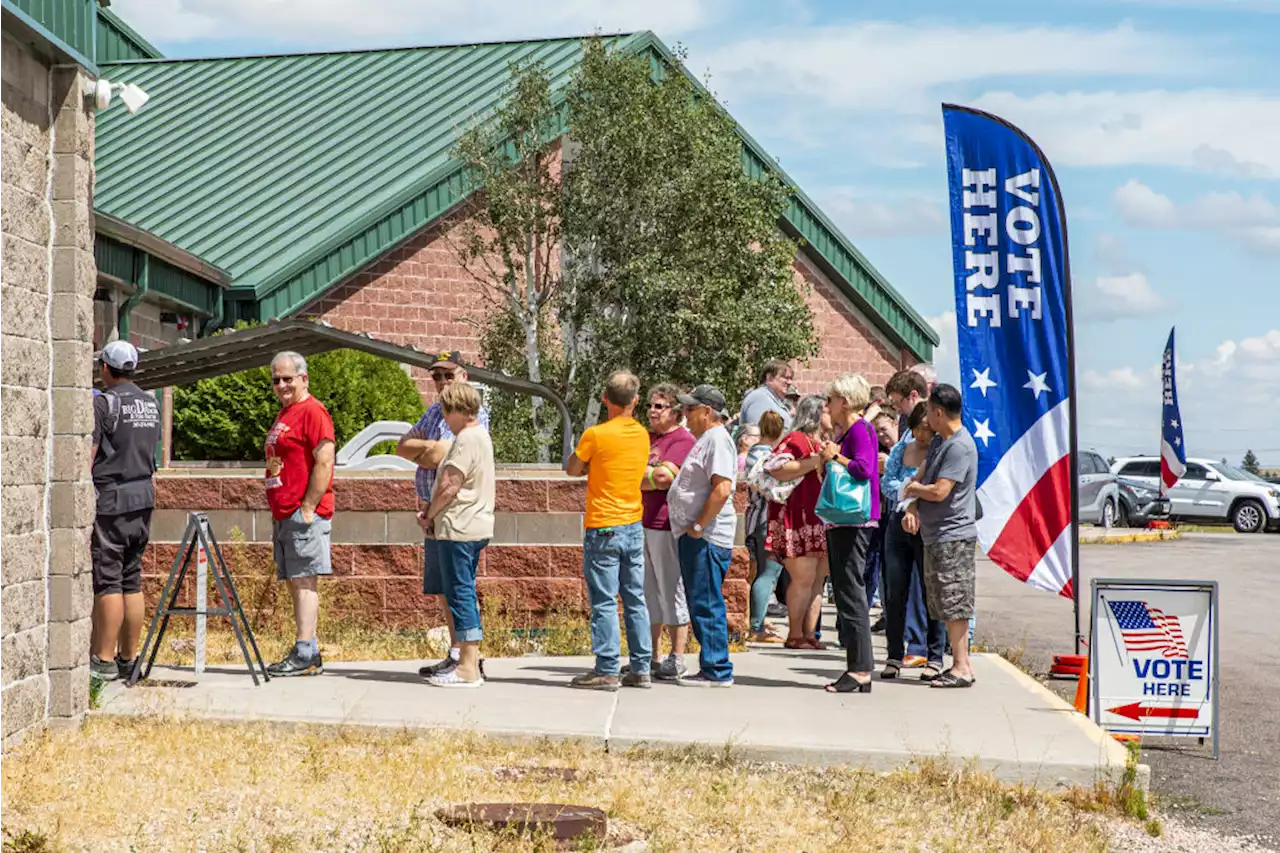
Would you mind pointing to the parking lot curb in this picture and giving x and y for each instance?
(1135, 536)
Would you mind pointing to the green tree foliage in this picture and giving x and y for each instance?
(670, 261)
(1250, 463)
(227, 417)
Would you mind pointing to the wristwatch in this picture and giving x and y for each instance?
(697, 528)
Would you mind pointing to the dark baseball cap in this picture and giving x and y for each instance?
(705, 395)
(448, 357)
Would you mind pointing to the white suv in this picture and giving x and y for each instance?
(1211, 491)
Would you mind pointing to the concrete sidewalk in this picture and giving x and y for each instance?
(1008, 723)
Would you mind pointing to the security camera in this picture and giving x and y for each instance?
(102, 89)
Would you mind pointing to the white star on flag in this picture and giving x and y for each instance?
(1174, 423)
(983, 431)
(1177, 440)
(982, 380)
(1037, 383)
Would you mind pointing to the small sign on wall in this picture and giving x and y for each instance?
(1153, 658)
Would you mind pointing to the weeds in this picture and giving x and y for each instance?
(380, 791)
(26, 842)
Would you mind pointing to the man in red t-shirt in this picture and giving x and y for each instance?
(300, 453)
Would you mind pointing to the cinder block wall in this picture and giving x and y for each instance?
(46, 415)
(533, 564)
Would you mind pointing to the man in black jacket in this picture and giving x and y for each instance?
(126, 429)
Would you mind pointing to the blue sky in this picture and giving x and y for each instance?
(1161, 117)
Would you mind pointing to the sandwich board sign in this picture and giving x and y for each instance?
(1153, 656)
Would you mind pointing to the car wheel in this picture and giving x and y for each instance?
(1248, 517)
(1122, 515)
(1108, 518)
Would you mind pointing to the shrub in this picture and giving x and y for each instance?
(227, 417)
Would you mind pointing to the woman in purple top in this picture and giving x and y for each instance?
(858, 449)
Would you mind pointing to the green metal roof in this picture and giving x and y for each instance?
(292, 172)
(117, 41)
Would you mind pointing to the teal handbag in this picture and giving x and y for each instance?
(843, 499)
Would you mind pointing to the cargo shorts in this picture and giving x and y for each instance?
(301, 549)
(950, 579)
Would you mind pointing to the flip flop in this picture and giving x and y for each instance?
(796, 644)
(815, 644)
(452, 679)
(949, 679)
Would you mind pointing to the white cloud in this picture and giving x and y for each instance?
(893, 66)
(1252, 220)
(1141, 205)
(1198, 129)
(946, 355)
(1115, 379)
(883, 214)
(1131, 295)
(339, 24)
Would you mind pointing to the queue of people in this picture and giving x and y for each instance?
(852, 484)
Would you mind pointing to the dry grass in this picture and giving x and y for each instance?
(168, 785)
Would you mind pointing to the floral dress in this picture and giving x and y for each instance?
(794, 529)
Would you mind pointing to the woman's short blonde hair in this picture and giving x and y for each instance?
(853, 389)
(461, 398)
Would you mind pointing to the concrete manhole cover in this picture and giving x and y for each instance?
(554, 820)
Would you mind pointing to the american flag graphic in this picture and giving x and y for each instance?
(1013, 328)
(1147, 629)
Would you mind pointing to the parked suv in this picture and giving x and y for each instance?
(1211, 491)
(1097, 491)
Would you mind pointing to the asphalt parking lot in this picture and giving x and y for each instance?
(1240, 793)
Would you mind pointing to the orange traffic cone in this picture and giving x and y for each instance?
(1082, 689)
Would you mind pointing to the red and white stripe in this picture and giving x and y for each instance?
(1171, 467)
(1026, 524)
(1166, 638)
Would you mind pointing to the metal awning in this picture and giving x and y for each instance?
(232, 351)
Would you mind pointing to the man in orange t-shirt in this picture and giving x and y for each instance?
(614, 455)
(299, 482)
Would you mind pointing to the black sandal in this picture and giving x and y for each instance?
(950, 679)
(848, 684)
(890, 671)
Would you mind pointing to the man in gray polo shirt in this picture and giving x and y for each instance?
(771, 395)
(944, 513)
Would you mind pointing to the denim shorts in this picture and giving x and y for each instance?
(301, 549)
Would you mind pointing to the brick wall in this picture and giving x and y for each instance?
(46, 302)
(420, 296)
(532, 565)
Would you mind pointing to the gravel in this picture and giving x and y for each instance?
(1176, 837)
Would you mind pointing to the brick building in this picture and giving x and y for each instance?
(344, 211)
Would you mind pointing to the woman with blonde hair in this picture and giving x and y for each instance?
(858, 449)
(795, 534)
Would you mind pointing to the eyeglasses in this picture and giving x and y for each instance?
(276, 380)
(442, 376)
(659, 406)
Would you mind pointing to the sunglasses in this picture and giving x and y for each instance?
(278, 380)
(442, 376)
(659, 406)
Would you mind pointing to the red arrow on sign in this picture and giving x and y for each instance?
(1136, 710)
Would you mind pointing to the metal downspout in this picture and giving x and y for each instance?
(143, 284)
(211, 325)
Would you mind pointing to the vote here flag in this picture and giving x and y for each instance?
(1173, 455)
(1013, 323)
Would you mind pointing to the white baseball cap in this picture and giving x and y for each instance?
(121, 355)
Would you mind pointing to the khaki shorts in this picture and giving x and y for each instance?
(950, 579)
(301, 549)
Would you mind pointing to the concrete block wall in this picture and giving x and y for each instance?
(533, 564)
(46, 301)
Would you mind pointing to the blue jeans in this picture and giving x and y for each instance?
(703, 567)
(906, 621)
(613, 564)
(767, 574)
(458, 562)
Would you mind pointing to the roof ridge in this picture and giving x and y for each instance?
(400, 49)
